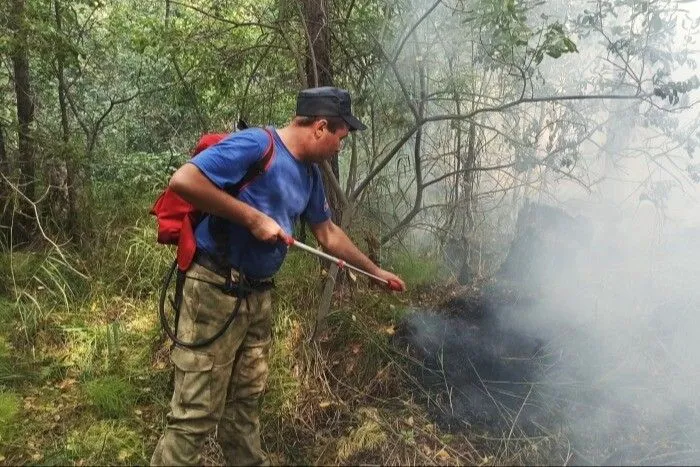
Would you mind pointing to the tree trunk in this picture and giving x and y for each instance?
(4, 163)
(319, 72)
(5, 192)
(61, 198)
(467, 182)
(25, 116)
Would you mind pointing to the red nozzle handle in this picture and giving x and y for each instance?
(289, 240)
(393, 285)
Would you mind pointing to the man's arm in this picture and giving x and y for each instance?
(194, 187)
(337, 243)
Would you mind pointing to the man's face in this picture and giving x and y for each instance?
(328, 143)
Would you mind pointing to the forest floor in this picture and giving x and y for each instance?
(85, 376)
(94, 388)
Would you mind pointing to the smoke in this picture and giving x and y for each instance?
(590, 329)
(595, 337)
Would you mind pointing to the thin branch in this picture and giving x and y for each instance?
(41, 229)
(402, 85)
(407, 135)
(413, 28)
(226, 20)
(498, 108)
(467, 170)
(416, 163)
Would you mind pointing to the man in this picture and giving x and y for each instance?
(220, 384)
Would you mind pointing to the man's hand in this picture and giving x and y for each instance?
(265, 229)
(391, 277)
(337, 243)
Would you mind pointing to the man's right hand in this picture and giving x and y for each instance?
(265, 229)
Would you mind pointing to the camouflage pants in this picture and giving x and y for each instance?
(219, 384)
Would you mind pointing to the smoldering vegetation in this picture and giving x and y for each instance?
(586, 335)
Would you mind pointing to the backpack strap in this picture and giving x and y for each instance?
(259, 167)
(216, 223)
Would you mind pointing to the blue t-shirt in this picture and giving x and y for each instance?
(287, 190)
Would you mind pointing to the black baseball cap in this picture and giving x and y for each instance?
(327, 102)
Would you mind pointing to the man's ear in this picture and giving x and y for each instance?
(319, 126)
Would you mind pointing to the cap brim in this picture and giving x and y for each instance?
(354, 123)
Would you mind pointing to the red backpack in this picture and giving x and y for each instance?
(177, 218)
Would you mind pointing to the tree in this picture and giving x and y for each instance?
(319, 72)
(26, 179)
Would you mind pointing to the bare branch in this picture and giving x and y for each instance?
(413, 28)
(467, 170)
(41, 229)
(410, 131)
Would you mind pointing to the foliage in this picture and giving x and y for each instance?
(672, 90)
(134, 173)
(509, 36)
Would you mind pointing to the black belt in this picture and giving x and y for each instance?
(205, 260)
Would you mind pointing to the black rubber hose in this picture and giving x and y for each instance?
(164, 320)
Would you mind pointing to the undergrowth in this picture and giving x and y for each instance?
(105, 442)
(81, 347)
(112, 396)
(9, 411)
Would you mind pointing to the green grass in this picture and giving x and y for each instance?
(8, 364)
(19, 268)
(10, 405)
(93, 349)
(135, 263)
(95, 345)
(283, 387)
(40, 283)
(417, 269)
(112, 396)
(104, 442)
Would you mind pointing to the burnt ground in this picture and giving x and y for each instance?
(480, 370)
(479, 373)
